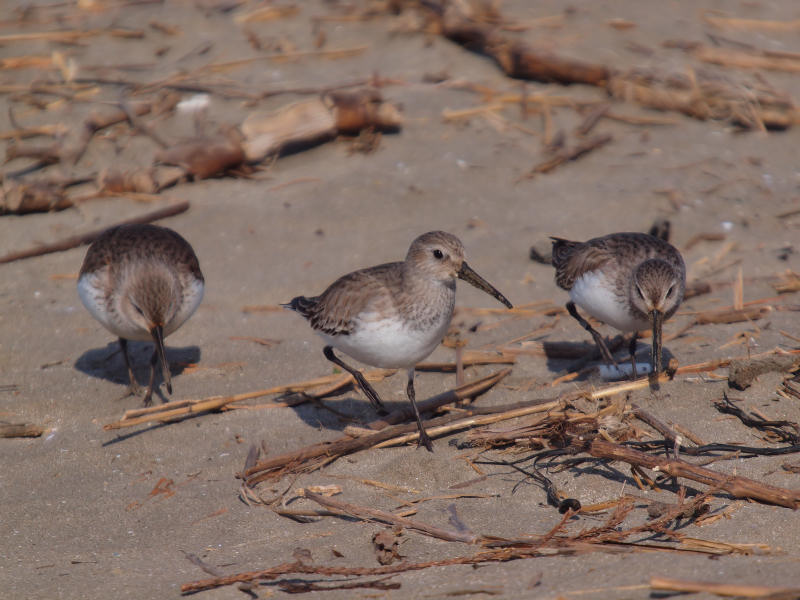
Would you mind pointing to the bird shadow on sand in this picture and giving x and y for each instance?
(583, 355)
(349, 407)
(108, 363)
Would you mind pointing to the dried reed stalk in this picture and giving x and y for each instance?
(728, 57)
(721, 589)
(708, 101)
(471, 358)
(476, 420)
(751, 24)
(315, 456)
(183, 408)
(373, 514)
(178, 409)
(606, 538)
(64, 37)
(569, 154)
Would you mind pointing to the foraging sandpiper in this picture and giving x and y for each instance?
(393, 315)
(141, 282)
(631, 281)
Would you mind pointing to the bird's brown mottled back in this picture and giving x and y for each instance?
(333, 312)
(573, 259)
(135, 242)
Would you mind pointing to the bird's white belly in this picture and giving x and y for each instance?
(595, 294)
(389, 343)
(92, 294)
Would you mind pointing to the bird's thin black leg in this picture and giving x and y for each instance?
(424, 440)
(632, 351)
(598, 339)
(133, 385)
(148, 397)
(368, 390)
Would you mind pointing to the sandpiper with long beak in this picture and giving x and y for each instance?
(393, 315)
(631, 281)
(141, 282)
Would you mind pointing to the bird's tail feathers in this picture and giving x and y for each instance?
(562, 249)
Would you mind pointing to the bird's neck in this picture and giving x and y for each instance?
(438, 296)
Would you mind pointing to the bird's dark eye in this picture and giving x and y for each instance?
(670, 290)
(639, 291)
(138, 310)
(438, 254)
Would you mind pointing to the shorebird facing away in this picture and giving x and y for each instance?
(141, 282)
(632, 281)
(393, 315)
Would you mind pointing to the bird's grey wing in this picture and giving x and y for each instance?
(336, 310)
(573, 259)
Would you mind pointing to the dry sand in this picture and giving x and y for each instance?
(79, 518)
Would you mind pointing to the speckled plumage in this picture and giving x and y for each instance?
(141, 282)
(629, 280)
(393, 315)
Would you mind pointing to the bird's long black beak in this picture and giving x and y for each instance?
(158, 337)
(467, 274)
(658, 320)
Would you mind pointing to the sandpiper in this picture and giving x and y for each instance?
(631, 281)
(141, 282)
(393, 315)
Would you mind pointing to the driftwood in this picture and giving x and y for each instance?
(19, 197)
(742, 372)
(14, 430)
(537, 546)
(311, 121)
(558, 427)
(702, 98)
(516, 59)
(403, 567)
(741, 487)
(782, 430)
(788, 283)
(473, 25)
(608, 537)
(22, 197)
(71, 148)
(138, 181)
(291, 127)
(750, 313)
(206, 156)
